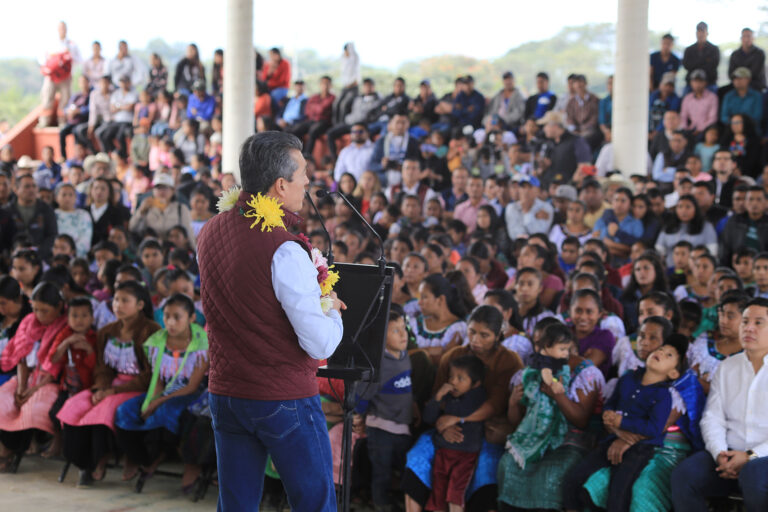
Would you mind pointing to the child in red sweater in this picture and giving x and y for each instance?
(76, 346)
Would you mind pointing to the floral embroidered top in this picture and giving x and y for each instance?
(704, 356)
(521, 344)
(115, 356)
(426, 338)
(176, 366)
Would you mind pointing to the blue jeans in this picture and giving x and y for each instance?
(293, 432)
(695, 480)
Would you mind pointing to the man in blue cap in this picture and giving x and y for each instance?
(530, 214)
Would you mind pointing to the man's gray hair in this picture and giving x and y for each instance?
(265, 157)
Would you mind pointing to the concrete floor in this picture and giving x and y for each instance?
(35, 488)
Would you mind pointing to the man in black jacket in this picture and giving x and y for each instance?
(32, 217)
(749, 229)
(564, 150)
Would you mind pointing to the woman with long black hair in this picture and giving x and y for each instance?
(686, 223)
(440, 324)
(648, 275)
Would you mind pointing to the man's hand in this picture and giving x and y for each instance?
(612, 229)
(338, 305)
(542, 214)
(735, 460)
(146, 204)
(616, 451)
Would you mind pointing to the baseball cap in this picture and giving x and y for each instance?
(25, 162)
(552, 117)
(668, 78)
(163, 180)
(698, 74)
(198, 85)
(425, 82)
(529, 180)
(741, 72)
(508, 74)
(566, 192)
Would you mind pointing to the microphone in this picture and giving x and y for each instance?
(382, 260)
(329, 257)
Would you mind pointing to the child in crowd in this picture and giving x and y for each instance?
(385, 412)
(454, 463)
(569, 253)
(680, 272)
(26, 399)
(470, 267)
(26, 269)
(122, 372)
(514, 338)
(74, 348)
(527, 291)
(81, 272)
(640, 405)
(104, 314)
(691, 314)
(743, 263)
(178, 356)
(64, 245)
(151, 254)
(414, 272)
(543, 427)
(760, 272)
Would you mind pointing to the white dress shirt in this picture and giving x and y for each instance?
(526, 223)
(294, 279)
(736, 414)
(353, 159)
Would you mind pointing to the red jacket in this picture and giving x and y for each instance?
(319, 108)
(255, 353)
(84, 362)
(280, 78)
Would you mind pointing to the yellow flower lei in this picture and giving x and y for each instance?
(267, 210)
(326, 287)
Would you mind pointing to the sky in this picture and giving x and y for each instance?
(399, 30)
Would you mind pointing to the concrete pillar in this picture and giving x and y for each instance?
(630, 88)
(239, 83)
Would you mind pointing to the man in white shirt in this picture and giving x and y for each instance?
(125, 64)
(734, 426)
(530, 214)
(57, 64)
(411, 185)
(121, 105)
(355, 158)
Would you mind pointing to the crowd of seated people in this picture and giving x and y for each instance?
(563, 334)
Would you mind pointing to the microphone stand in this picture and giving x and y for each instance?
(382, 260)
(329, 256)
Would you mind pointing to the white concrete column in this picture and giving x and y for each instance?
(239, 83)
(630, 88)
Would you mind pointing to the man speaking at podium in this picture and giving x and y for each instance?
(267, 331)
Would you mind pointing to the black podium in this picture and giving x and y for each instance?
(367, 292)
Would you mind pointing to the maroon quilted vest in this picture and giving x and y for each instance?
(254, 351)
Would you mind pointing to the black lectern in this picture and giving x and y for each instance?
(367, 292)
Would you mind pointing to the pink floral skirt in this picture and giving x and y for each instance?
(78, 411)
(34, 412)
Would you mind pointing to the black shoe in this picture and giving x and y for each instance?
(85, 480)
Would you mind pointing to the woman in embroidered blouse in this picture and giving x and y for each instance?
(514, 337)
(440, 325)
(713, 347)
(72, 221)
(122, 372)
(14, 307)
(26, 269)
(593, 343)
(618, 228)
(26, 399)
(537, 486)
(178, 356)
